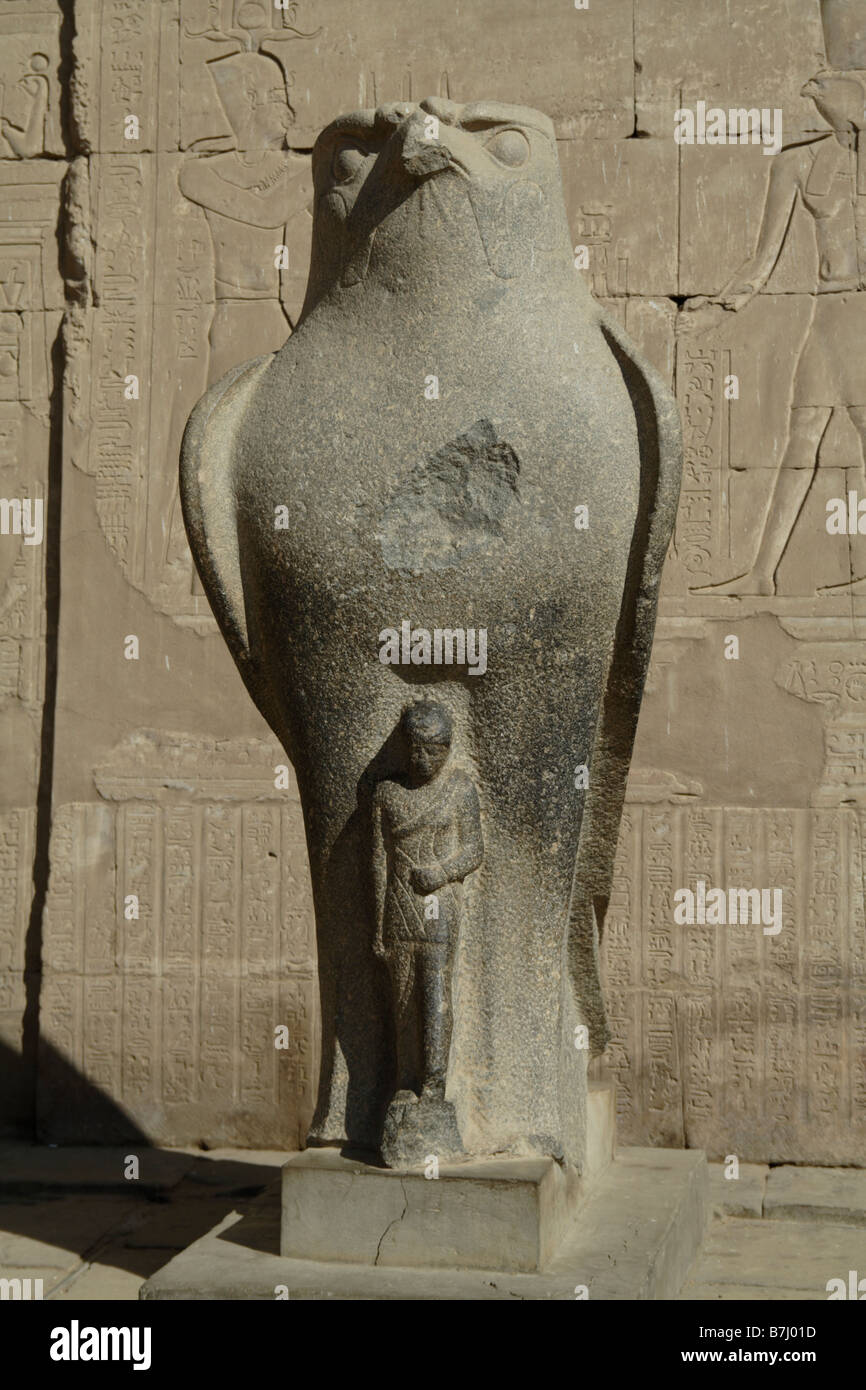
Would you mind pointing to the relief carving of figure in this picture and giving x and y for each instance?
(248, 194)
(827, 176)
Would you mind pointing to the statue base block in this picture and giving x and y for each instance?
(497, 1213)
(634, 1236)
(416, 1126)
(507, 1213)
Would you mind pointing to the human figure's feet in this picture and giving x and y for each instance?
(417, 1127)
(752, 583)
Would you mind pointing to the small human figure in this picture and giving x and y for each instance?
(426, 839)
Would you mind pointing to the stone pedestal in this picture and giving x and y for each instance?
(505, 1213)
(627, 1228)
(635, 1237)
(499, 1214)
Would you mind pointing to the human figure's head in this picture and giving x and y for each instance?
(839, 97)
(426, 727)
(252, 91)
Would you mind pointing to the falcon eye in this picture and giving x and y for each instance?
(347, 161)
(509, 147)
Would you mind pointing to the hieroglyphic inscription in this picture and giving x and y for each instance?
(31, 297)
(824, 1014)
(622, 960)
(702, 535)
(128, 37)
(608, 259)
(172, 954)
(758, 1041)
(661, 960)
(742, 956)
(119, 352)
(701, 958)
(785, 833)
(832, 675)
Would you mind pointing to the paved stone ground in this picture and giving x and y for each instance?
(781, 1233)
(71, 1218)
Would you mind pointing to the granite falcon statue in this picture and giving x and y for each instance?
(450, 400)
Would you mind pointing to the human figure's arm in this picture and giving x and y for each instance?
(469, 853)
(380, 873)
(200, 180)
(754, 273)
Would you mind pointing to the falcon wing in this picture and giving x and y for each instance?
(661, 463)
(207, 497)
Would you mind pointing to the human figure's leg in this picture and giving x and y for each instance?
(855, 480)
(434, 970)
(794, 477)
(405, 985)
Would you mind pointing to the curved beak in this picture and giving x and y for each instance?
(424, 157)
(422, 154)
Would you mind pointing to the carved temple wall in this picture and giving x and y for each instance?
(155, 916)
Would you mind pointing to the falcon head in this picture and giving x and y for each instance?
(406, 192)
